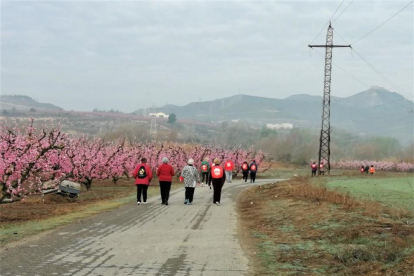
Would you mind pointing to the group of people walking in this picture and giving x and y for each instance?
(314, 168)
(211, 175)
(366, 169)
(363, 169)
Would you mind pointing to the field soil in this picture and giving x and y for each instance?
(38, 213)
(296, 228)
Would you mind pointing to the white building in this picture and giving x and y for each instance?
(159, 115)
(279, 126)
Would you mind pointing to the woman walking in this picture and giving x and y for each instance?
(191, 178)
(165, 173)
(143, 177)
(217, 177)
(245, 170)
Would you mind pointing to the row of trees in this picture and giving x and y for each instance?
(379, 165)
(298, 146)
(30, 157)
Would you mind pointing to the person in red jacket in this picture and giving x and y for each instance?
(165, 173)
(228, 169)
(143, 177)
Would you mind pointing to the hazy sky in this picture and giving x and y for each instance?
(129, 54)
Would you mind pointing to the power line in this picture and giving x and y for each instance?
(389, 81)
(343, 11)
(341, 37)
(394, 85)
(382, 23)
(360, 81)
(327, 22)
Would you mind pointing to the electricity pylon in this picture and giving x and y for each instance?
(153, 127)
(325, 138)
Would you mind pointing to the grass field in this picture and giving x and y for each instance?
(392, 191)
(330, 226)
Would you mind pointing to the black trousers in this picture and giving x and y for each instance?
(313, 173)
(165, 187)
(204, 175)
(245, 175)
(142, 188)
(252, 177)
(217, 186)
(189, 193)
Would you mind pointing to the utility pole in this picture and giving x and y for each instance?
(325, 138)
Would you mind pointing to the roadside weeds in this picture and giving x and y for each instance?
(295, 228)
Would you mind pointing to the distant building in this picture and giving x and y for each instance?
(279, 126)
(159, 115)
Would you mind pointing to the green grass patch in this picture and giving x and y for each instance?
(393, 192)
(283, 173)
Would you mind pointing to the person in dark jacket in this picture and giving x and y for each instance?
(366, 169)
(217, 178)
(165, 173)
(245, 170)
(143, 177)
(314, 168)
(253, 170)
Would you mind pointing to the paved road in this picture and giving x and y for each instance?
(151, 239)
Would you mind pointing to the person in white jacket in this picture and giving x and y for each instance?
(191, 178)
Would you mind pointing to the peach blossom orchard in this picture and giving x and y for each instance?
(31, 157)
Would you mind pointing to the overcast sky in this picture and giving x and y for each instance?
(124, 55)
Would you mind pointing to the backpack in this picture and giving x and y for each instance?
(142, 172)
(216, 172)
(253, 168)
(204, 168)
(244, 167)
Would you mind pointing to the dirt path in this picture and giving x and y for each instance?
(150, 239)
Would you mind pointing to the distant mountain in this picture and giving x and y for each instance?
(20, 103)
(374, 111)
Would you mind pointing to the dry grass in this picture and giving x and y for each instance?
(38, 207)
(295, 228)
(301, 187)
